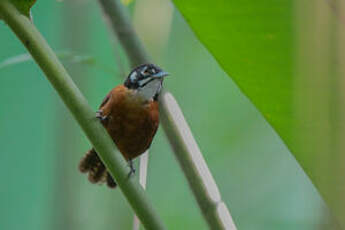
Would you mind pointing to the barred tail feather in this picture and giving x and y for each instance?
(93, 165)
(88, 161)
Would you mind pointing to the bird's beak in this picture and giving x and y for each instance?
(160, 74)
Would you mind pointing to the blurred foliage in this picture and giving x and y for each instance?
(68, 57)
(259, 180)
(63, 55)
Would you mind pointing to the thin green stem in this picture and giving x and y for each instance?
(82, 112)
(178, 132)
(120, 24)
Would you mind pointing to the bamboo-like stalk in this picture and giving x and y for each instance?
(144, 160)
(82, 112)
(180, 136)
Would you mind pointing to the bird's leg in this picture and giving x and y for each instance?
(131, 166)
(99, 115)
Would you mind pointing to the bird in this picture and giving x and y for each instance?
(130, 115)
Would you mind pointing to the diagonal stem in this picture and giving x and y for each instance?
(82, 112)
(180, 136)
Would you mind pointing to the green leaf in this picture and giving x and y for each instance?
(256, 43)
(23, 6)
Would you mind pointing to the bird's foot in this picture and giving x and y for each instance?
(131, 166)
(99, 115)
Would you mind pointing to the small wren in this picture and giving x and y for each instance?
(130, 115)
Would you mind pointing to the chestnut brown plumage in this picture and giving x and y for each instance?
(130, 115)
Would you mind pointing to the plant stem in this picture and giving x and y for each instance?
(121, 25)
(178, 132)
(82, 112)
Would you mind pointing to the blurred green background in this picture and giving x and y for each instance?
(41, 144)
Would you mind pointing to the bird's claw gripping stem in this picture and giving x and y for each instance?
(99, 115)
(131, 166)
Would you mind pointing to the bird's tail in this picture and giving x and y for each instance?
(93, 165)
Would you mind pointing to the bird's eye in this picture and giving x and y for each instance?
(145, 72)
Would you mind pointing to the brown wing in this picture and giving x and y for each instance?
(105, 100)
(111, 98)
(105, 108)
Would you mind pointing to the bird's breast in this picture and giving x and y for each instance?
(132, 124)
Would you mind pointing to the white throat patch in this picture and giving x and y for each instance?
(150, 89)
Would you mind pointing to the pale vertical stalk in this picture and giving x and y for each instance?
(144, 161)
(311, 84)
(178, 132)
(335, 5)
(312, 88)
(340, 105)
(316, 92)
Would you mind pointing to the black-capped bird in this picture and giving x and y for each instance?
(130, 115)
